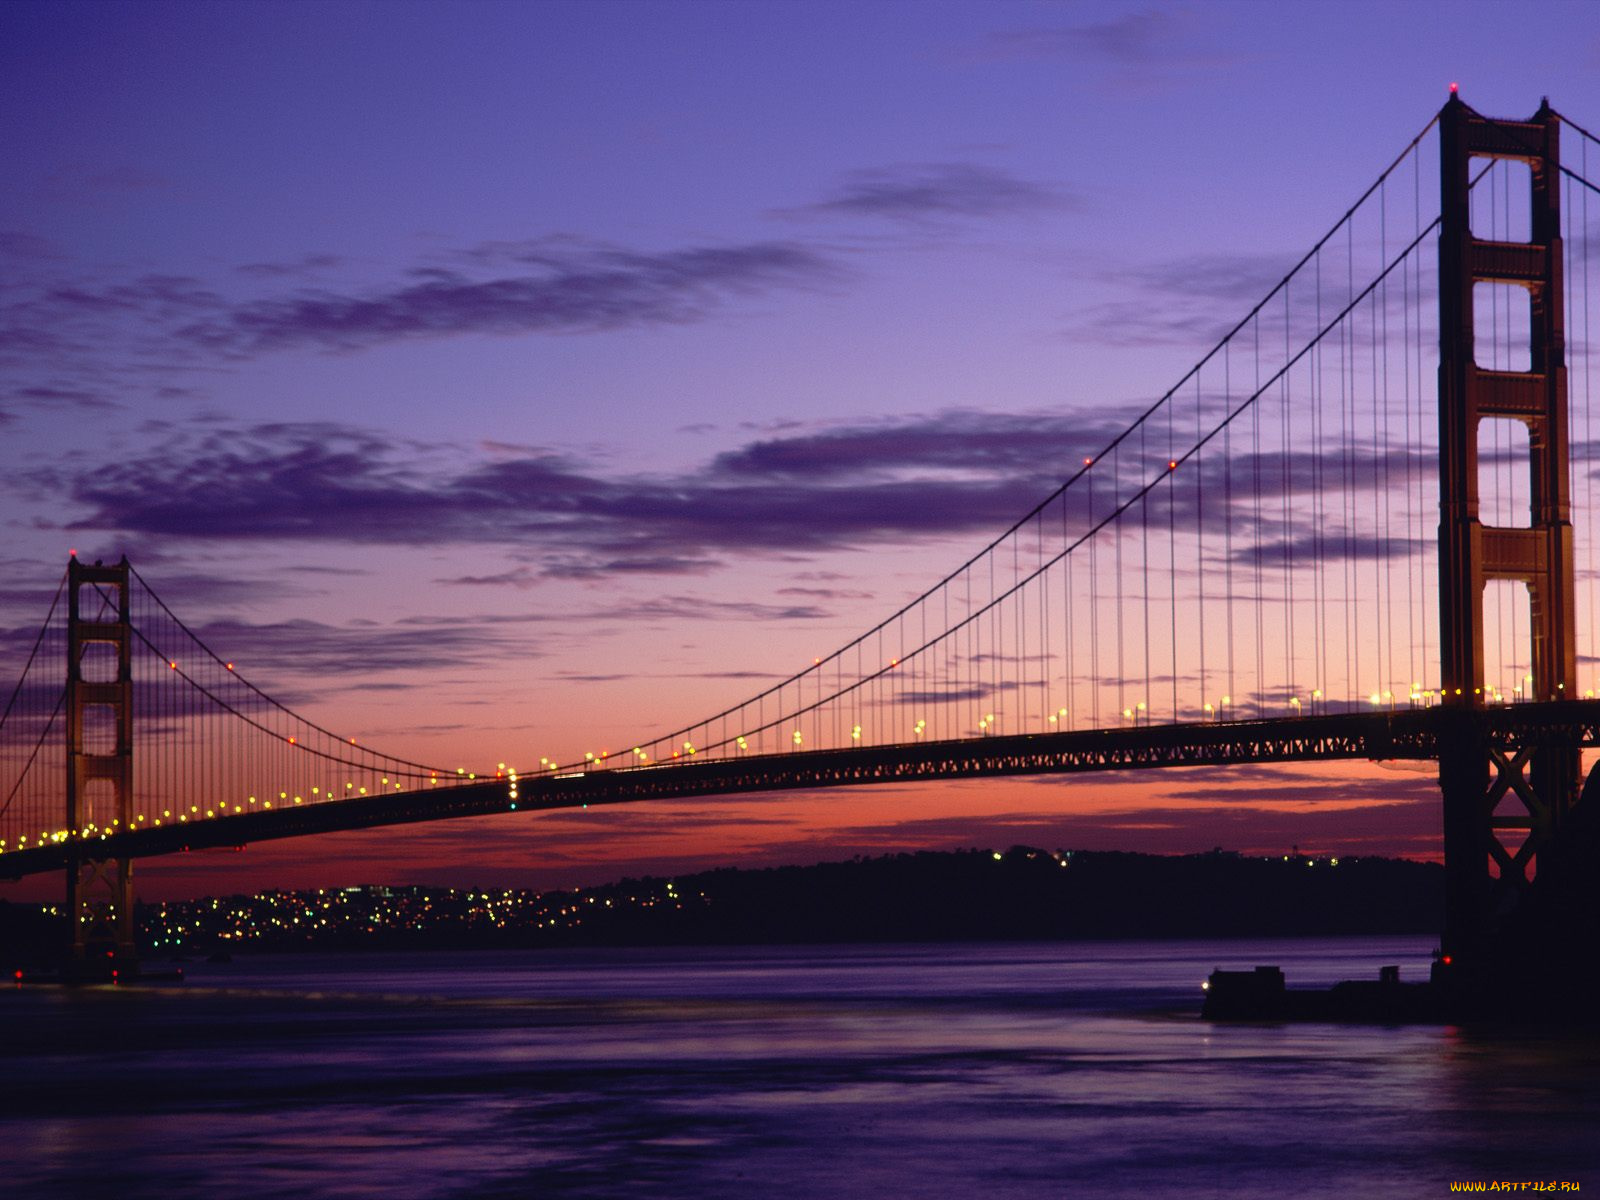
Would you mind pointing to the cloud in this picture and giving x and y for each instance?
(1146, 322)
(697, 608)
(1137, 47)
(62, 397)
(71, 328)
(314, 481)
(1274, 784)
(956, 441)
(1194, 300)
(302, 267)
(950, 695)
(567, 291)
(1132, 39)
(568, 567)
(154, 297)
(923, 191)
(555, 517)
(310, 650)
(60, 329)
(1333, 542)
(326, 482)
(1238, 279)
(646, 564)
(318, 648)
(825, 593)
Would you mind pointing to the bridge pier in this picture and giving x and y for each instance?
(1520, 921)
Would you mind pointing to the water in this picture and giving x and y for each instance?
(1036, 1070)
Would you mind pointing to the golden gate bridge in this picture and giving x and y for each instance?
(1346, 532)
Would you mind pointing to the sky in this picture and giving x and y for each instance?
(485, 377)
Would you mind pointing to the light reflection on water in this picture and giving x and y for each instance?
(882, 1071)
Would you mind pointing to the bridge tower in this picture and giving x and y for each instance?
(1498, 794)
(99, 706)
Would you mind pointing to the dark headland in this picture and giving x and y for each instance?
(969, 895)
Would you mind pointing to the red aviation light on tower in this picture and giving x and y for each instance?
(1454, 88)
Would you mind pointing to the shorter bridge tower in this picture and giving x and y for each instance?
(99, 704)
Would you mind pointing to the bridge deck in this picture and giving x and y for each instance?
(1401, 734)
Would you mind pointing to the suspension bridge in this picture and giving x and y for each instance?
(1361, 526)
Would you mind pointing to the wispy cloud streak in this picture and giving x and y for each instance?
(601, 288)
(921, 192)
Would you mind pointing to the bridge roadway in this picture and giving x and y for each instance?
(1411, 733)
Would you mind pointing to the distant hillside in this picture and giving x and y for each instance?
(1027, 893)
(968, 895)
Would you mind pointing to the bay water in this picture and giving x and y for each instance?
(1010, 1070)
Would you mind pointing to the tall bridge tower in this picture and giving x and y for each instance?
(99, 706)
(1506, 805)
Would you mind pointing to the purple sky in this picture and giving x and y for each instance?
(489, 376)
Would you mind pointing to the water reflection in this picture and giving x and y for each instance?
(1037, 1070)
